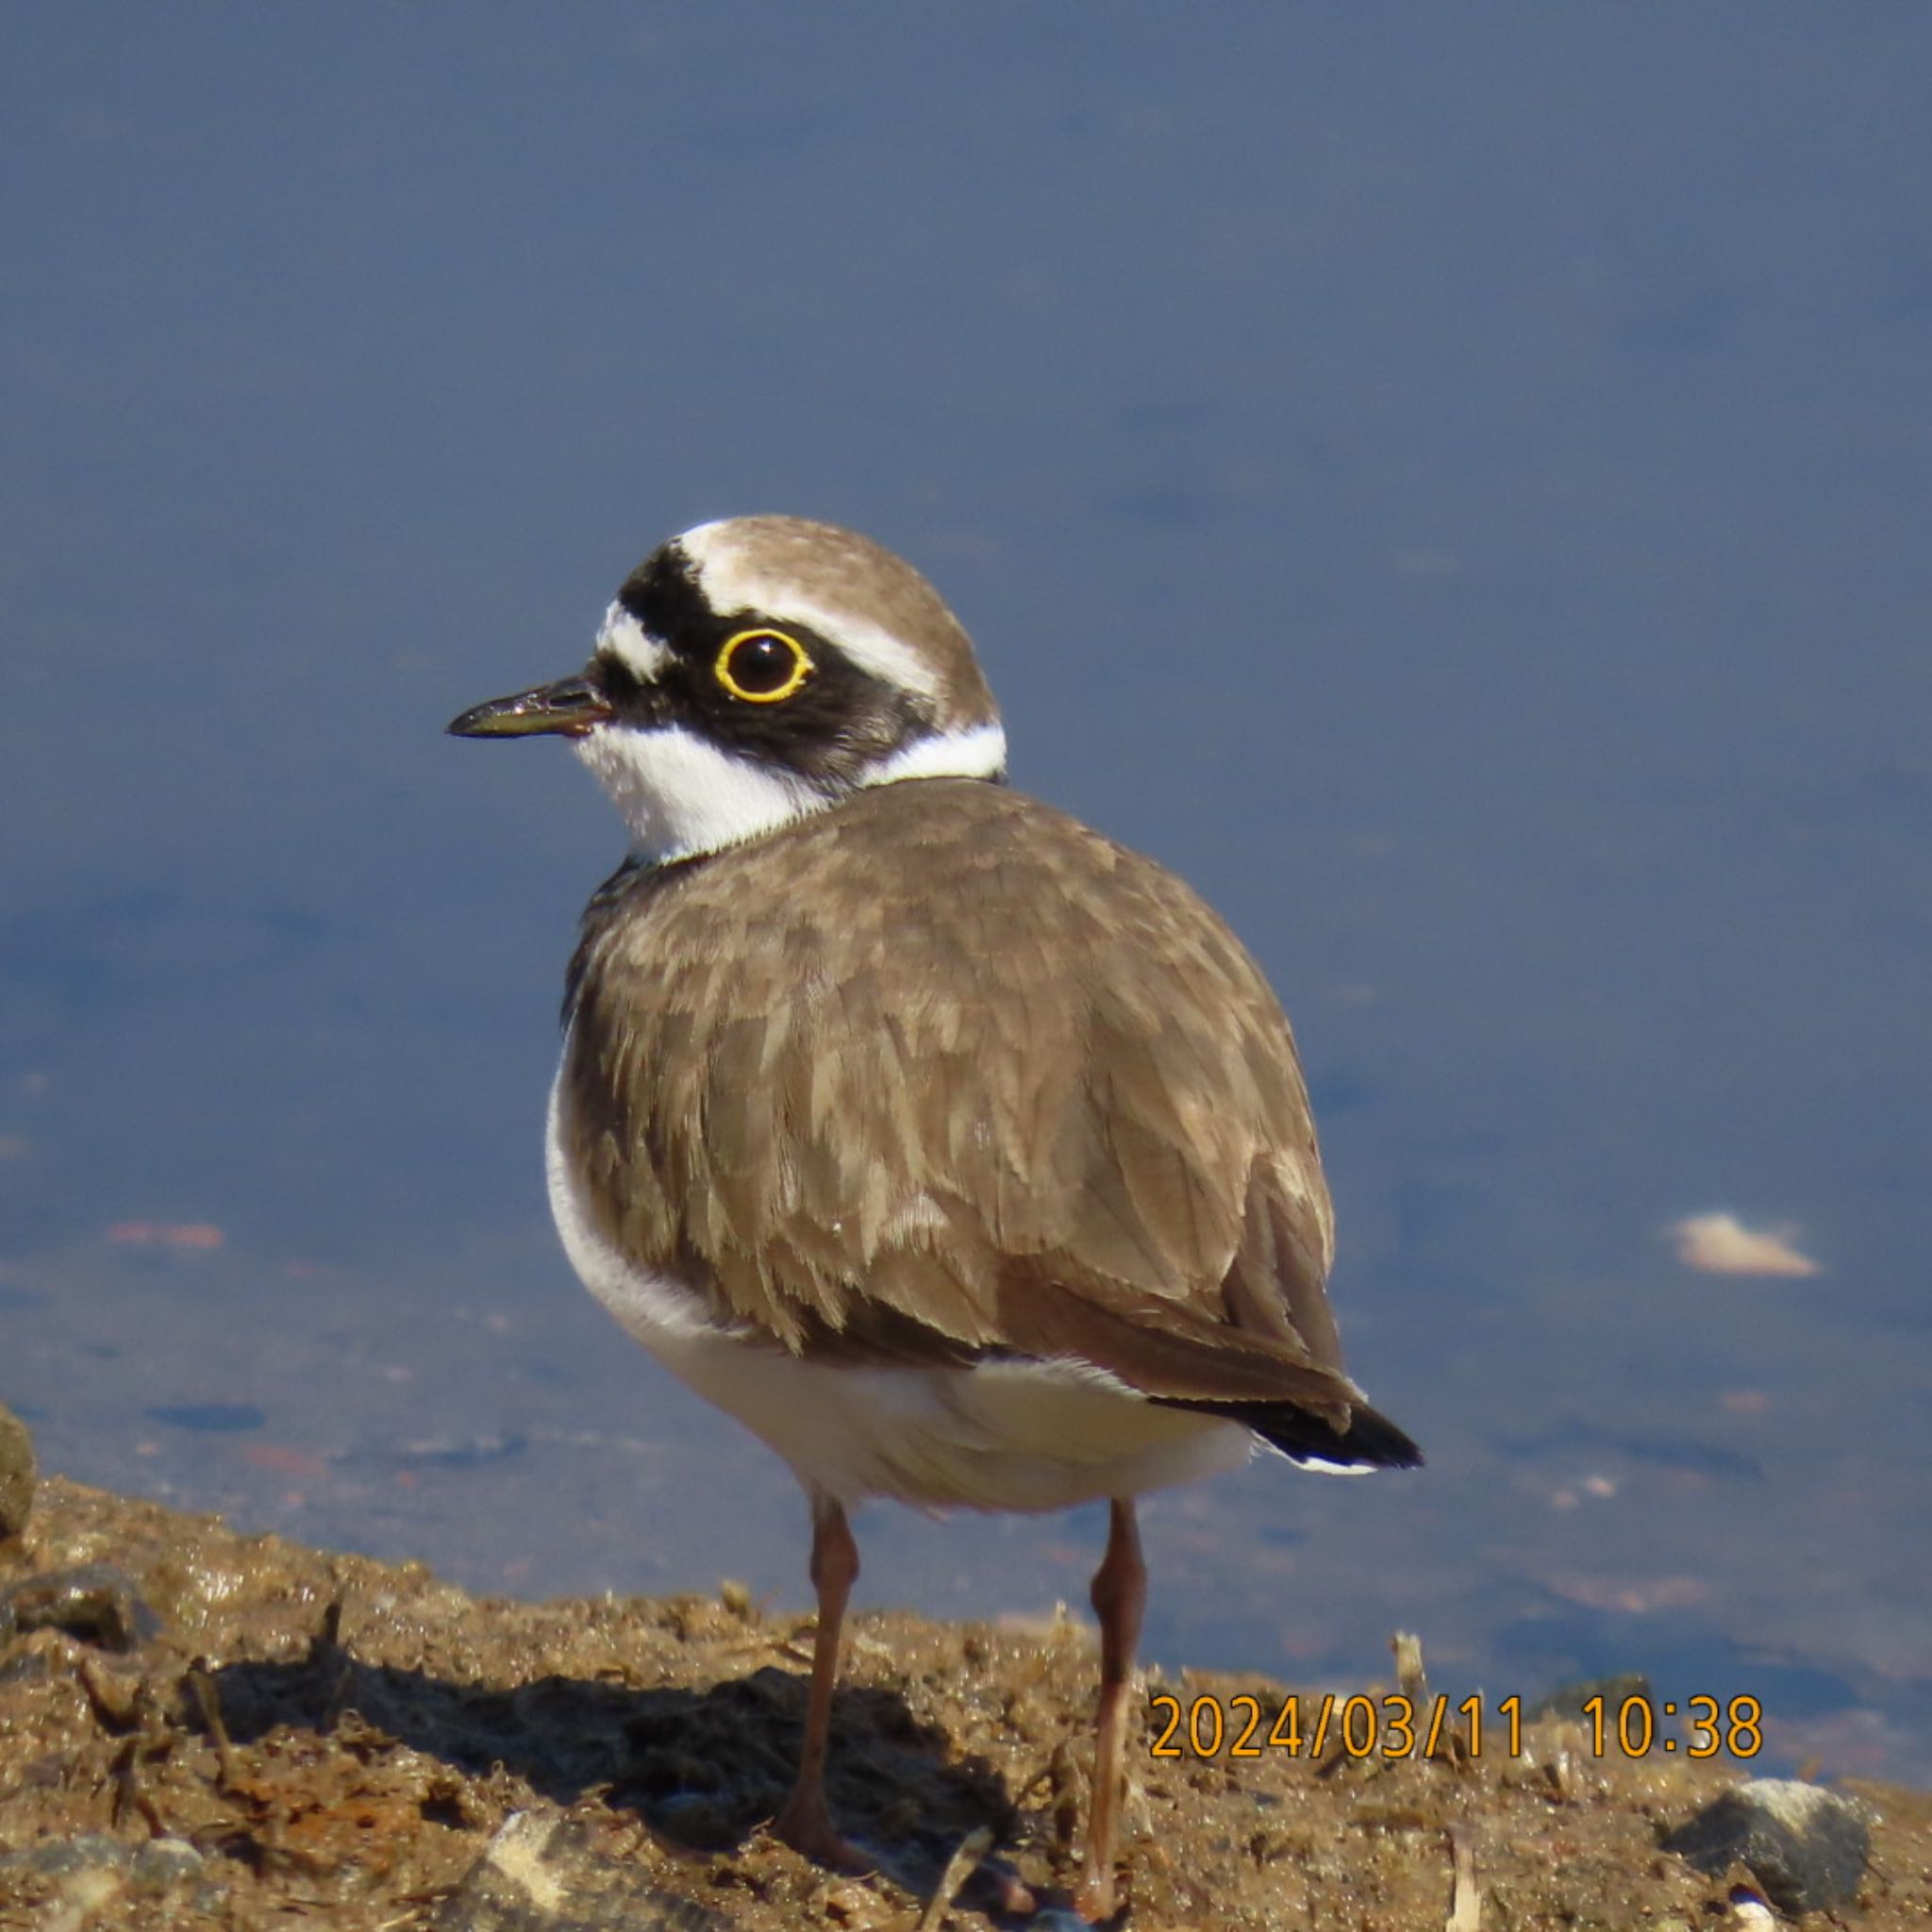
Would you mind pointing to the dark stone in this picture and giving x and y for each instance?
(61, 1857)
(16, 1474)
(1807, 1846)
(163, 1863)
(94, 1602)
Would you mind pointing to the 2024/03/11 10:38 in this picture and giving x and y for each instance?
(1394, 1727)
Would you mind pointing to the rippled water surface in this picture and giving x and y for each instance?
(1453, 482)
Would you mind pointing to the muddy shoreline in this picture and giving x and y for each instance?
(204, 1728)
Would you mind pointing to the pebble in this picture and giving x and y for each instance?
(541, 1875)
(64, 1858)
(163, 1863)
(1807, 1847)
(95, 1603)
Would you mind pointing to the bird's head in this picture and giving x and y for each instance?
(757, 669)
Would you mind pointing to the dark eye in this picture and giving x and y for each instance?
(762, 666)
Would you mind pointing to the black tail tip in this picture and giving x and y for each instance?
(1370, 1441)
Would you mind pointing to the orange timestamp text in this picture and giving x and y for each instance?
(1396, 1727)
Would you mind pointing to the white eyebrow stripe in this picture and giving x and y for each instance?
(623, 637)
(730, 582)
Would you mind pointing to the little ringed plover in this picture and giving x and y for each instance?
(962, 1154)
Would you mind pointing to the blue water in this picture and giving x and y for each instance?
(1455, 483)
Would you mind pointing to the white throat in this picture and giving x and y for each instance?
(680, 795)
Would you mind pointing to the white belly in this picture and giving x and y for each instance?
(999, 1436)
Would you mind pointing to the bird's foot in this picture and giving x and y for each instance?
(1097, 1900)
(806, 1826)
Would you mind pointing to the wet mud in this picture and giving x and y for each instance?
(202, 1728)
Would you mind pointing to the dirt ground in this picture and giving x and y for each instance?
(199, 1728)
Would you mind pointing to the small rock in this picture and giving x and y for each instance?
(96, 1603)
(63, 1857)
(540, 1875)
(163, 1863)
(16, 1474)
(1807, 1846)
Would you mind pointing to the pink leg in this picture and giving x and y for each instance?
(1120, 1596)
(805, 1823)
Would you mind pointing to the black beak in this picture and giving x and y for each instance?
(570, 707)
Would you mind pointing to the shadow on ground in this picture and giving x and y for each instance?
(702, 1767)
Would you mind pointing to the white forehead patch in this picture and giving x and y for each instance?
(731, 580)
(621, 636)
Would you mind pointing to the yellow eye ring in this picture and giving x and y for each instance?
(762, 666)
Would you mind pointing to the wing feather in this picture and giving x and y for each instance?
(1025, 1094)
